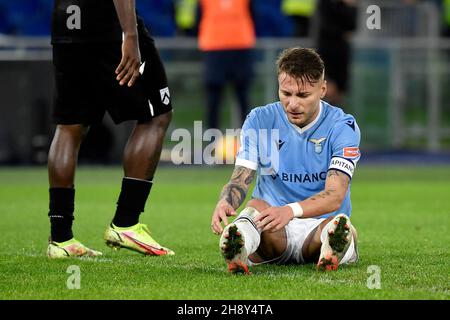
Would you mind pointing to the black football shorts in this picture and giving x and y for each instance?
(86, 85)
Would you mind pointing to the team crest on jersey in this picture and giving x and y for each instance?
(165, 95)
(317, 144)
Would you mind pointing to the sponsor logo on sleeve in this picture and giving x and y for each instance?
(351, 152)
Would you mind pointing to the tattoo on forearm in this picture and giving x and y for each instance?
(234, 194)
(333, 173)
(343, 178)
(323, 194)
(235, 191)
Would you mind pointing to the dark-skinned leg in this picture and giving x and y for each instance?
(62, 162)
(63, 154)
(141, 157)
(143, 149)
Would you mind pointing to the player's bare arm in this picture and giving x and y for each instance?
(232, 196)
(128, 69)
(330, 199)
(326, 201)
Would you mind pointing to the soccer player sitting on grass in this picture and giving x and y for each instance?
(97, 48)
(300, 207)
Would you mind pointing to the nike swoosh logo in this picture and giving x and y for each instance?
(150, 249)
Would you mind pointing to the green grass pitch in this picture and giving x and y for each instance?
(402, 215)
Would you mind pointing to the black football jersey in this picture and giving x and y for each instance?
(79, 21)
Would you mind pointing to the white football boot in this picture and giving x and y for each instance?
(336, 239)
(232, 245)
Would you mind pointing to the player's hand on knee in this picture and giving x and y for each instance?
(221, 212)
(273, 218)
(128, 69)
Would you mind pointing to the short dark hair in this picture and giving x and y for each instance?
(301, 63)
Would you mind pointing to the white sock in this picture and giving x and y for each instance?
(251, 234)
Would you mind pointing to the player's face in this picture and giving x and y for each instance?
(301, 100)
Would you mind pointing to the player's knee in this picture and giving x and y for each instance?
(156, 126)
(162, 121)
(258, 204)
(72, 134)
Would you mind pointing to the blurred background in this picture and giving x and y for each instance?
(397, 86)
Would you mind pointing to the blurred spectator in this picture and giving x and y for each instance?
(158, 16)
(227, 38)
(301, 12)
(186, 17)
(337, 19)
(269, 20)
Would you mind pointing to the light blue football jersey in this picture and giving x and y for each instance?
(292, 162)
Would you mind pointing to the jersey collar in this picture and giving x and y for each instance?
(309, 126)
